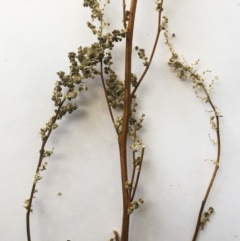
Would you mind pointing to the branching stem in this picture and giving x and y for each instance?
(122, 138)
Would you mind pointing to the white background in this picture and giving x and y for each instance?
(35, 38)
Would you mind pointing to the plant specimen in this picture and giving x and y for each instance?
(188, 72)
(96, 61)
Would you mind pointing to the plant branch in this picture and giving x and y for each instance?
(153, 50)
(124, 14)
(122, 138)
(38, 167)
(216, 165)
(116, 235)
(105, 92)
(138, 174)
(102, 77)
(133, 172)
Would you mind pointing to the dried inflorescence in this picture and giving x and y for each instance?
(83, 65)
(114, 86)
(96, 61)
(135, 205)
(88, 63)
(142, 55)
(189, 73)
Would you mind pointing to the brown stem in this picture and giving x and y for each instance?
(134, 159)
(124, 14)
(116, 235)
(153, 51)
(34, 184)
(138, 175)
(101, 74)
(122, 138)
(105, 92)
(133, 173)
(215, 169)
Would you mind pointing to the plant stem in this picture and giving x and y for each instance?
(34, 184)
(215, 169)
(124, 14)
(101, 74)
(122, 138)
(133, 173)
(153, 50)
(138, 175)
(105, 92)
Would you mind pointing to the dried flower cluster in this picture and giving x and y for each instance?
(135, 205)
(96, 61)
(189, 73)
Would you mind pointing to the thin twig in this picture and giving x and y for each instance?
(124, 14)
(102, 78)
(38, 166)
(105, 92)
(133, 173)
(215, 169)
(153, 51)
(116, 235)
(138, 175)
(134, 159)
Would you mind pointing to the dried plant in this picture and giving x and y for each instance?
(189, 73)
(95, 61)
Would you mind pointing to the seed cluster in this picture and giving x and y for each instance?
(114, 86)
(84, 65)
(206, 216)
(134, 205)
(142, 55)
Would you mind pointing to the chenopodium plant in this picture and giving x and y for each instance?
(203, 91)
(96, 61)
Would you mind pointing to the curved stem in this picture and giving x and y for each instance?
(116, 235)
(34, 184)
(215, 169)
